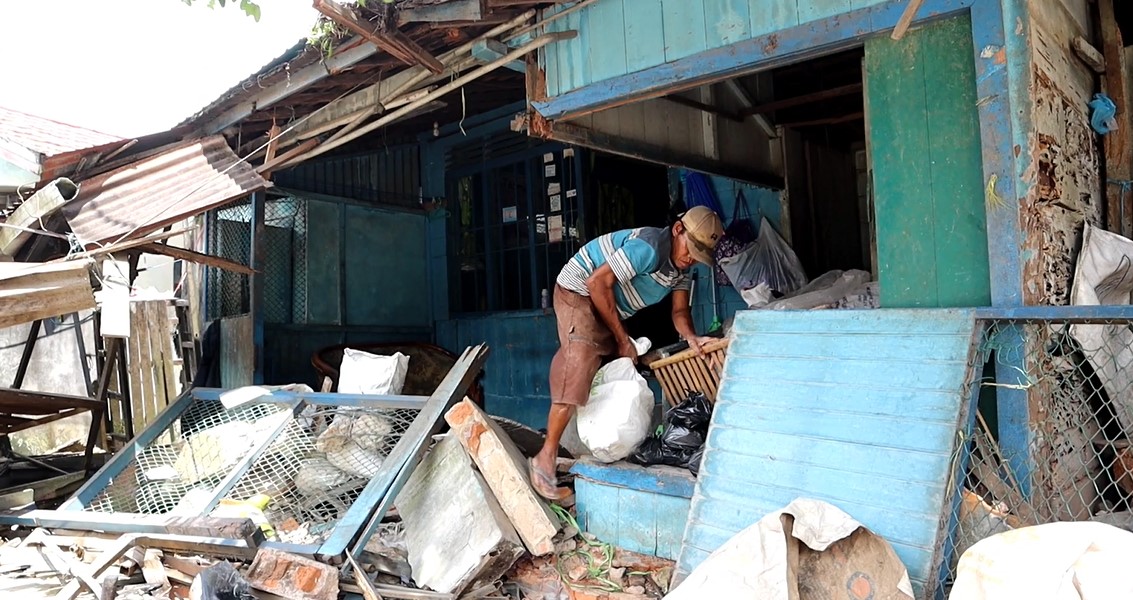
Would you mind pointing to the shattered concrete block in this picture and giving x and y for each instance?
(457, 535)
(504, 468)
(292, 576)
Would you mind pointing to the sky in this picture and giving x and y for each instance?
(133, 67)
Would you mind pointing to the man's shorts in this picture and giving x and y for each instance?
(584, 342)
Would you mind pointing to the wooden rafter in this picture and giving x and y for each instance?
(197, 257)
(392, 41)
(837, 92)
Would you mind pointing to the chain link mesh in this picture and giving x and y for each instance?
(230, 237)
(313, 469)
(284, 262)
(1076, 383)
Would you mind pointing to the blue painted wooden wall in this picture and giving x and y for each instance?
(617, 37)
(365, 278)
(856, 408)
(516, 377)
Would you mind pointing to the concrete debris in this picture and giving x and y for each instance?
(505, 469)
(457, 534)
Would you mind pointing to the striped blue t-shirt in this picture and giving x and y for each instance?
(641, 261)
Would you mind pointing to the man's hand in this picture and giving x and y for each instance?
(627, 349)
(697, 343)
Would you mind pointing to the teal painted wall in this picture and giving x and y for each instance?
(760, 202)
(932, 241)
(617, 37)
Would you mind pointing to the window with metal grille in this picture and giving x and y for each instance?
(514, 222)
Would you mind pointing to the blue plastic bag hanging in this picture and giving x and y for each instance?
(1102, 119)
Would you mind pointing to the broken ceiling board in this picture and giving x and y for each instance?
(32, 291)
(503, 467)
(457, 534)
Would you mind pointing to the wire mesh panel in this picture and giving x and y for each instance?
(229, 236)
(1075, 381)
(318, 467)
(310, 466)
(284, 262)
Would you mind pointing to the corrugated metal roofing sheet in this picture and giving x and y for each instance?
(48, 137)
(860, 409)
(186, 180)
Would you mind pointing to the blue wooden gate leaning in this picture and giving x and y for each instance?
(861, 409)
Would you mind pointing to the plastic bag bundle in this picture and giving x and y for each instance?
(618, 413)
(682, 436)
(769, 260)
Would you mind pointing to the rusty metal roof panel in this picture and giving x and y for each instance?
(48, 137)
(185, 180)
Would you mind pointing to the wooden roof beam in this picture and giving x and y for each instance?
(837, 92)
(393, 41)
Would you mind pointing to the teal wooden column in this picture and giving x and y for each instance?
(924, 131)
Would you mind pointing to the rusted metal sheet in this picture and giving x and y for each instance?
(185, 180)
(47, 137)
(389, 176)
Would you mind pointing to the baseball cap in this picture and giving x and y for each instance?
(704, 230)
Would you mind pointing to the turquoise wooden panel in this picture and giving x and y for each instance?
(870, 436)
(683, 28)
(931, 219)
(845, 425)
(516, 375)
(386, 268)
(324, 265)
(659, 31)
(644, 40)
(672, 514)
(878, 399)
(963, 277)
(726, 22)
(813, 10)
(632, 519)
(605, 22)
(769, 16)
(637, 521)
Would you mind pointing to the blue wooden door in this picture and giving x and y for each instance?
(860, 409)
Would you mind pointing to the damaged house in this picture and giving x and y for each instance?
(943, 355)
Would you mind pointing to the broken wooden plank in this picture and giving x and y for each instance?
(33, 291)
(393, 41)
(906, 19)
(1089, 55)
(505, 469)
(152, 569)
(198, 258)
(293, 576)
(446, 489)
(29, 214)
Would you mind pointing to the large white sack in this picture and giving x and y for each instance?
(617, 416)
(365, 373)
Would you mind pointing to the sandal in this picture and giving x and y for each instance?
(545, 486)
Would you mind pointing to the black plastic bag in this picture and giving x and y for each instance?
(682, 438)
(693, 413)
(694, 461)
(682, 435)
(653, 451)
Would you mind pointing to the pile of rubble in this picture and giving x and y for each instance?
(465, 524)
